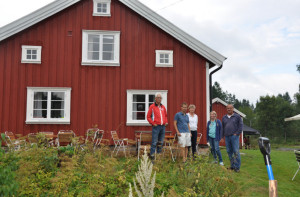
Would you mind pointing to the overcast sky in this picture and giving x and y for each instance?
(260, 38)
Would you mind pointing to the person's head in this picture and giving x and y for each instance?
(213, 115)
(184, 107)
(229, 109)
(192, 108)
(158, 98)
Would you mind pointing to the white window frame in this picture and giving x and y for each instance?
(130, 93)
(95, 6)
(49, 120)
(87, 62)
(32, 61)
(157, 57)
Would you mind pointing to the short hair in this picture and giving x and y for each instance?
(192, 106)
(157, 93)
(184, 103)
(229, 105)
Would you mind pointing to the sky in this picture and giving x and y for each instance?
(260, 38)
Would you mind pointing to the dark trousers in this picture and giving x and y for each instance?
(194, 142)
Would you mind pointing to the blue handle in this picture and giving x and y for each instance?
(270, 172)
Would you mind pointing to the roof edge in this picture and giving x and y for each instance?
(218, 100)
(34, 17)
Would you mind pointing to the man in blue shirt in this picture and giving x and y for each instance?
(232, 128)
(182, 127)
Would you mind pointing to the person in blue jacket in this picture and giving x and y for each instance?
(214, 135)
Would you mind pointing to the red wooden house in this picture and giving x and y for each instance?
(75, 63)
(219, 106)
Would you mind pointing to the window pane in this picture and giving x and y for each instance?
(29, 57)
(108, 39)
(93, 47)
(108, 47)
(28, 52)
(161, 61)
(138, 107)
(166, 61)
(57, 113)
(166, 56)
(40, 105)
(57, 105)
(93, 55)
(151, 98)
(107, 56)
(34, 52)
(139, 98)
(39, 113)
(138, 115)
(93, 38)
(40, 95)
(58, 96)
(33, 57)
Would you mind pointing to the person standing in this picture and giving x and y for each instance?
(232, 128)
(193, 121)
(214, 135)
(157, 117)
(182, 127)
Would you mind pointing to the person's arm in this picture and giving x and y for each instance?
(166, 116)
(240, 126)
(189, 128)
(221, 130)
(176, 129)
(149, 118)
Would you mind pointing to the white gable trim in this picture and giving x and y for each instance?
(34, 17)
(217, 100)
(57, 6)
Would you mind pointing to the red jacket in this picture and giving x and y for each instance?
(157, 115)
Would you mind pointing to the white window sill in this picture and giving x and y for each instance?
(101, 14)
(137, 124)
(47, 122)
(30, 62)
(164, 65)
(99, 64)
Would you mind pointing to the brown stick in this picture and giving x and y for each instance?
(273, 188)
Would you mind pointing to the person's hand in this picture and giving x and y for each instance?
(155, 125)
(208, 143)
(178, 134)
(166, 124)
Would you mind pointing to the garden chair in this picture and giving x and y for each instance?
(12, 142)
(98, 138)
(64, 137)
(199, 136)
(297, 154)
(32, 138)
(49, 135)
(170, 144)
(143, 142)
(94, 136)
(120, 143)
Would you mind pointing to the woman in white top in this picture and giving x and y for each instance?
(193, 118)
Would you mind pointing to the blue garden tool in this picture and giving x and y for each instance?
(265, 148)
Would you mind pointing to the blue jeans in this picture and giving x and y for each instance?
(215, 149)
(158, 136)
(233, 150)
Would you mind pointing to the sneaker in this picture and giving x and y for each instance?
(237, 170)
(221, 164)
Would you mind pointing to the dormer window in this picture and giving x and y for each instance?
(31, 54)
(101, 8)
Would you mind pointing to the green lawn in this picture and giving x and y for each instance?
(253, 177)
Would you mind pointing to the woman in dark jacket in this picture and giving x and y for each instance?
(214, 135)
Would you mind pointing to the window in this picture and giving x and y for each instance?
(138, 102)
(101, 8)
(48, 105)
(100, 48)
(164, 58)
(31, 54)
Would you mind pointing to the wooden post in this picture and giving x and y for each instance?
(273, 188)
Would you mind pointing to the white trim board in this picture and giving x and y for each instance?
(57, 6)
(218, 100)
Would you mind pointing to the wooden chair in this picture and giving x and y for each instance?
(199, 136)
(12, 142)
(32, 138)
(50, 136)
(297, 154)
(144, 142)
(64, 137)
(119, 143)
(170, 144)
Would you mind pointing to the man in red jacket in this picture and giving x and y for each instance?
(157, 117)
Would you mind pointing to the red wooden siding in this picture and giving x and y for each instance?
(98, 93)
(221, 111)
